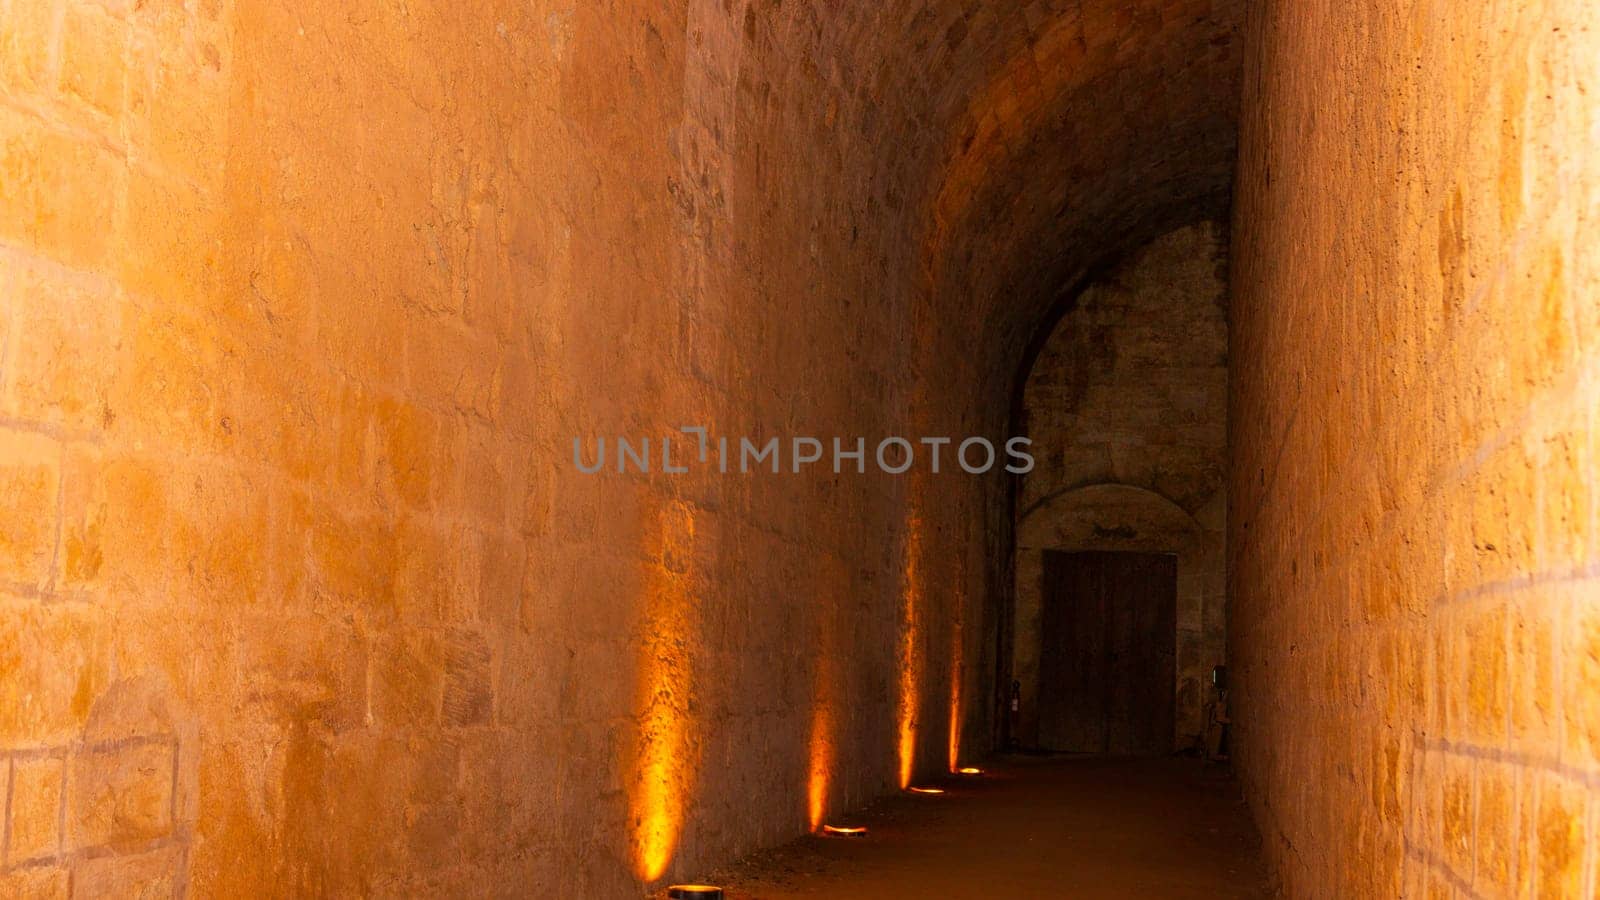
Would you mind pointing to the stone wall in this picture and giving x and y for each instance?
(1416, 348)
(302, 306)
(1126, 407)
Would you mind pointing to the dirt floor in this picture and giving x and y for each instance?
(1078, 827)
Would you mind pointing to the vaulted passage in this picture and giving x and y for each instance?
(508, 448)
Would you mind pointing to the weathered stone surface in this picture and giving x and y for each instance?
(45, 698)
(30, 478)
(35, 826)
(41, 882)
(1412, 496)
(157, 873)
(120, 794)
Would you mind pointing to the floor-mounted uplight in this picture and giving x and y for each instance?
(694, 892)
(970, 770)
(925, 790)
(852, 831)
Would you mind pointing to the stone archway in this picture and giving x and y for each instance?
(1120, 517)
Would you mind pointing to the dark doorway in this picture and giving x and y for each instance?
(1106, 663)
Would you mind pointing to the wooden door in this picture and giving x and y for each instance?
(1106, 660)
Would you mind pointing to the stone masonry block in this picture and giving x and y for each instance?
(57, 191)
(94, 53)
(65, 350)
(35, 827)
(120, 793)
(30, 482)
(28, 33)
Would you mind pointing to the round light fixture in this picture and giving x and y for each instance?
(925, 790)
(845, 830)
(694, 892)
(970, 770)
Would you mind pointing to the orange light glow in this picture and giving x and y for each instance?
(821, 763)
(926, 790)
(956, 673)
(845, 830)
(970, 770)
(664, 769)
(685, 891)
(659, 801)
(824, 696)
(909, 661)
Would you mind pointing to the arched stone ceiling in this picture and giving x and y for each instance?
(1128, 135)
(1021, 144)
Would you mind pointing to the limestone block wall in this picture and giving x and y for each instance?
(301, 307)
(1413, 515)
(1126, 406)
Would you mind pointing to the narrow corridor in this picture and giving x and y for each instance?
(560, 448)
(1061, 826)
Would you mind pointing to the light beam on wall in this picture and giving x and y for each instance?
(825, 673)
(956, 674)
(665, 768)
(909, 661)
(821, 759)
